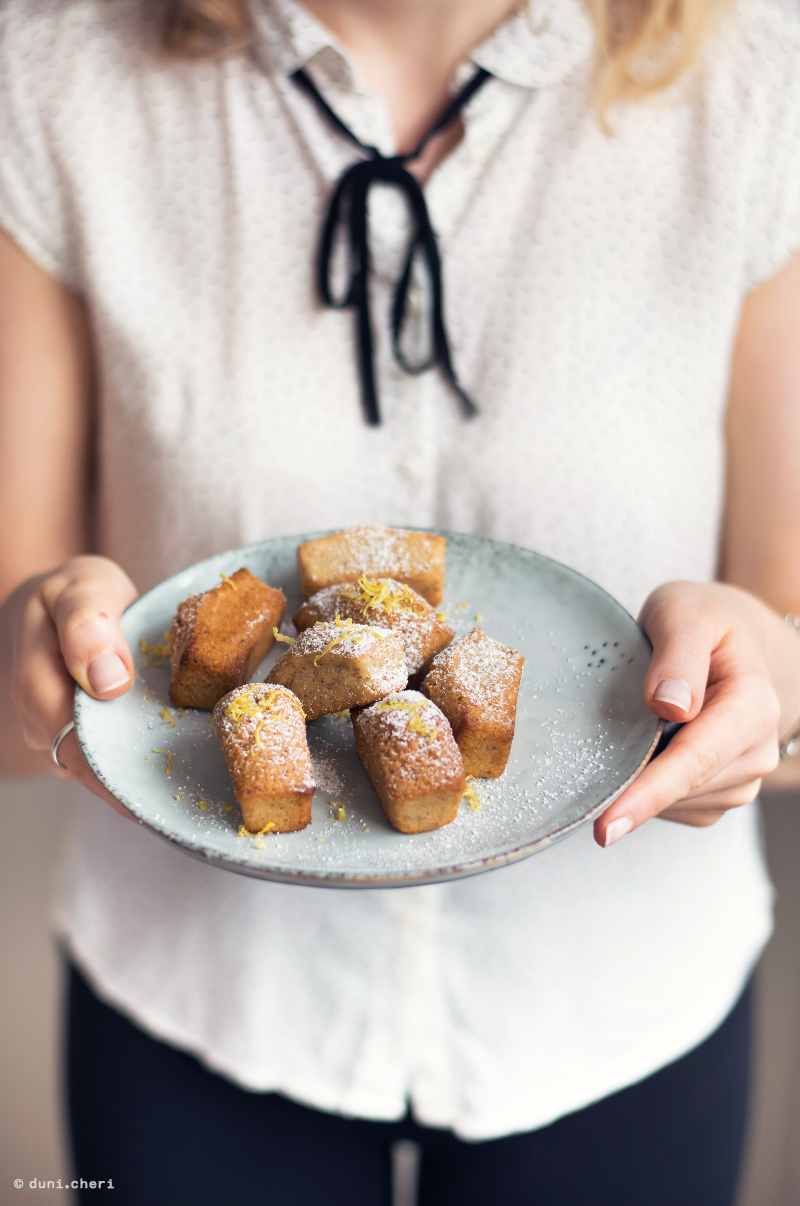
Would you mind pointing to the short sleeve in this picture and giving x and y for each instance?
(773, 200)
(34, 197)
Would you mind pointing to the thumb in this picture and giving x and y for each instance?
(85, 608)
(683, 634)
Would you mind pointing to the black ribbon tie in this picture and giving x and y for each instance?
(347, 212)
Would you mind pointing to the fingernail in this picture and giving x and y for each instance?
(617, 829)
(674, 691)
(107, 672)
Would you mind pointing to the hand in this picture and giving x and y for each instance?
(67, 631)
(730, 666)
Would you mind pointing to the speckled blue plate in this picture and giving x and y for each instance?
(583, 730)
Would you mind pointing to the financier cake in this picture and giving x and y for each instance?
(387, 604)
(413, 762)
(219, 638)
(341, 665)
(415, 558)
(263, 736)
(475, 681)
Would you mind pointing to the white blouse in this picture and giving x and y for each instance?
(592, 289)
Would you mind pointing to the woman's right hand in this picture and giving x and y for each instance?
(67, 631)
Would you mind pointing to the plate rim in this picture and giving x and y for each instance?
(462, 869)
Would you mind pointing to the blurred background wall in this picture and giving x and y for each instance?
(34, 815)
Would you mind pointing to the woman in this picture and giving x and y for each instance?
(617, 204)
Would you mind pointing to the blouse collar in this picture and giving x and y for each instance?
(535, 48)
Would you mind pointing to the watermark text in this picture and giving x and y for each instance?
(76, 1183)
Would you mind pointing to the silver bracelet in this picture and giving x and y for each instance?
(59, 737)
(791, 745)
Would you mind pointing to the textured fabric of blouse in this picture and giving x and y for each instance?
(592, 289)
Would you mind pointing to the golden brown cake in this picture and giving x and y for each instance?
(219, 638)
(415, 558)
(476, 683)
(341, 665)
(412, 760)
(387, 604)
(263, 736)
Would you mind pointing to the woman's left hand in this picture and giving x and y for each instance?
(730, 666)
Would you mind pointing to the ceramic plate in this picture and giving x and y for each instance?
(583, 731)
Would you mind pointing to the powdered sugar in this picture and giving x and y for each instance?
(416, 728)
(403, 611)
(479, 668)
(351, 640)
(341, 665)
(373, 549)
(266, 721)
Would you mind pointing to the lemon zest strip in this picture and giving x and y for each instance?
(169, 758)
(348, 626)
(415, 723)
(372, 594)
(255, 836)
(155, 654)
(245, 705)
(260, 833)
(473, 794)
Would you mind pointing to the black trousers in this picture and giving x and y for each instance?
(170, 1133)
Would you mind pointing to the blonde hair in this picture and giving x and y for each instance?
(642, 46)
(645, 46)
